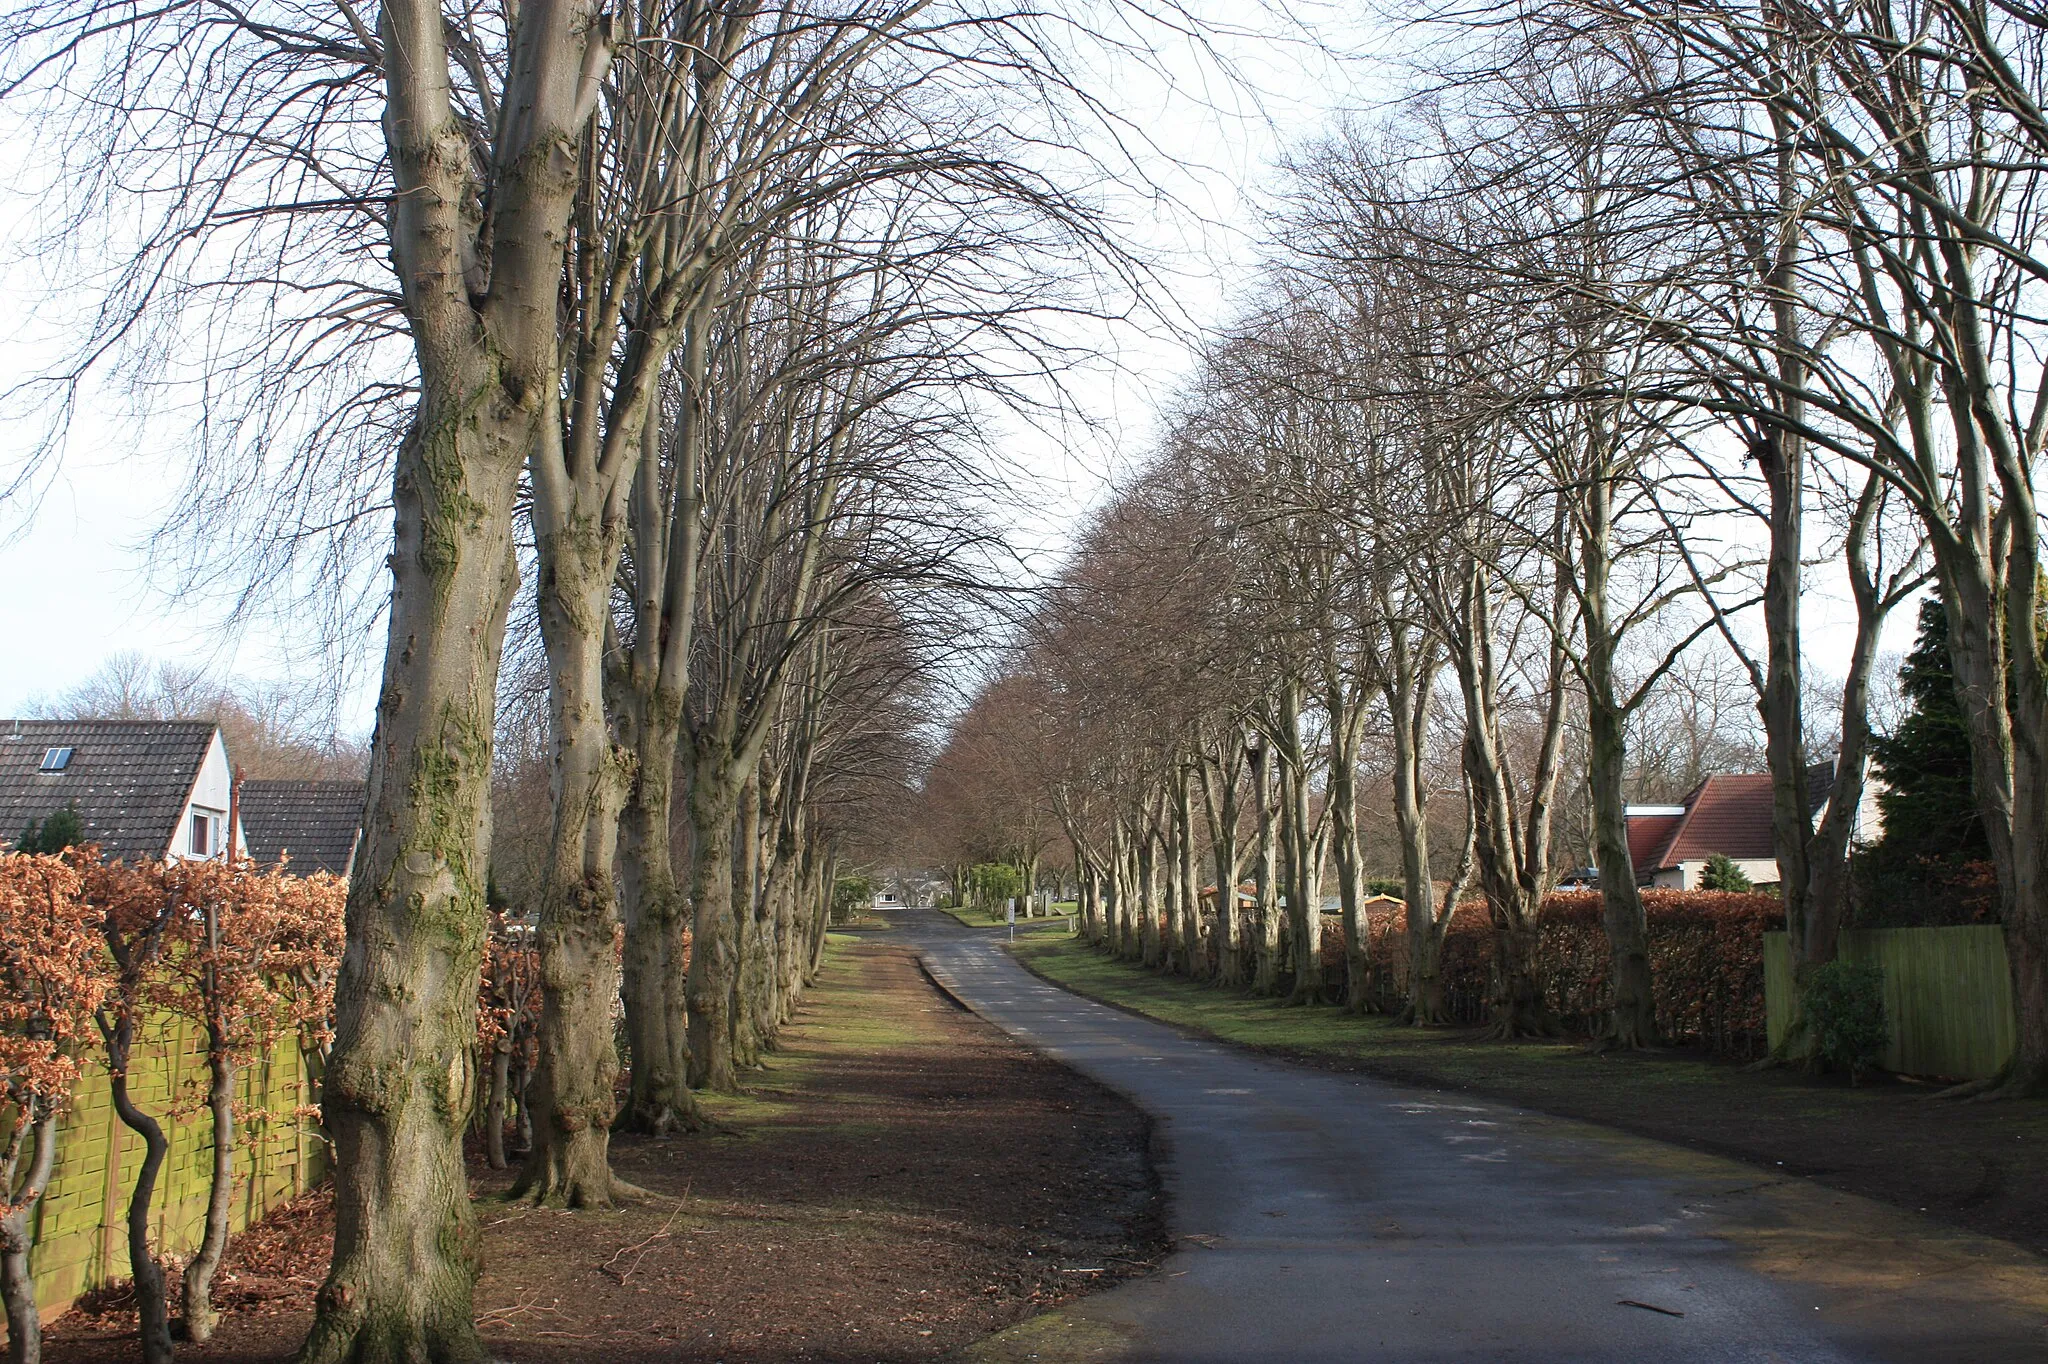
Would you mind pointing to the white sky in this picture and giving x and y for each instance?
(79, 585)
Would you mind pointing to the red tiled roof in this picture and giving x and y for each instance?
(1647, 837)
(1726, 813)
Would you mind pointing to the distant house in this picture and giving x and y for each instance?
(309, 825)
(143, 789)
(1730, 814)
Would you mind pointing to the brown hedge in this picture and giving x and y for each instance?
(1706, 961)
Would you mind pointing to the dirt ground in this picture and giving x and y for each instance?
(900, 1181)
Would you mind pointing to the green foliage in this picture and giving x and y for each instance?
(851, 895)
(1386, 885)
(1843, 1006)
(1930, 808)
(60, 830)
(1722, 873)
(995, 882)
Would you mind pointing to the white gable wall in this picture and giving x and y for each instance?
(1761, 871)
(212, 792)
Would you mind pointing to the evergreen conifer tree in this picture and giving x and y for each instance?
(1930, 811)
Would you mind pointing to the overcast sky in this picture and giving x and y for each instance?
(80, 586)
(80, 581)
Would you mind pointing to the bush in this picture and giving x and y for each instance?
(1706, 960)
(1843, 1005)
(851, 897)
(63, 829)
(1721, 873)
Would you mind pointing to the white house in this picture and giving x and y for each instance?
(1730, 814)
(142, 788)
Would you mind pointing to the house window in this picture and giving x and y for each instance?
(56, 759)
(202, 835)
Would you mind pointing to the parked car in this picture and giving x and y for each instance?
(1580, 878)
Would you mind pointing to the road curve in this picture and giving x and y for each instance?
(1321, 1216)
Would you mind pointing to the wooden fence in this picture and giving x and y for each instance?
(81, 1243)
(1947, 996)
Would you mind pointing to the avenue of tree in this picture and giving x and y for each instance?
(652, 350)
(1562, 387)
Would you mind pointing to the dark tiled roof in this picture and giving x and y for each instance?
(1820, 784)
(313, 821)
(128, 779)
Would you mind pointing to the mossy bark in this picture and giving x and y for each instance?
(714, 951)
(400, 1083)
(570, 1163)
(477, 245)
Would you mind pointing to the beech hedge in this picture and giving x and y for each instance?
(1706, 962)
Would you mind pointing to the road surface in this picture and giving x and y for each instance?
(1321, 1216)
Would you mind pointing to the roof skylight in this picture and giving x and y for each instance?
(56, 759)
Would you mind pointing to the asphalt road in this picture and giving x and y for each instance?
(1322, 1216)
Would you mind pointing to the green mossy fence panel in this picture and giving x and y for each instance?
(82, 1236)
(1947, 996)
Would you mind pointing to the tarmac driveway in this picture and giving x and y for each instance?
(1323, 1216)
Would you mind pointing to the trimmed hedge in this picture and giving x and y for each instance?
(1706, 962)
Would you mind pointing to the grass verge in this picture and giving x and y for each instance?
(1973, 1164)
(981, 918)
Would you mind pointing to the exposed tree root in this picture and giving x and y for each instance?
(670, 1119)
(416, 1328)
(2008, 1083)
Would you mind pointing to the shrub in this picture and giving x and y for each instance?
(1706, 960)
(851, 896)
(63, 829)
(1723, 874)
(1843, 1005)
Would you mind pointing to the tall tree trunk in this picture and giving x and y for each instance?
(1350, 870)
(1223, 851)
(1511, 857)
(570, 1163)
(655, 912)
(200, 1318)
(1632, 1009)
(1194, 950)
(714, 955)
(1827, 865)
(747, 926)
(17, 1236)
(1406, 685)
(1632, 1015)
(481, 300)
(1150, 948)
(152, 1304)
(1266, 958)
(398, 1088)
(1304, 858)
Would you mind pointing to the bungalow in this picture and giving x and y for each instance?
(309, 825)
(146, 789)
(142, 788)
(1729, 814)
